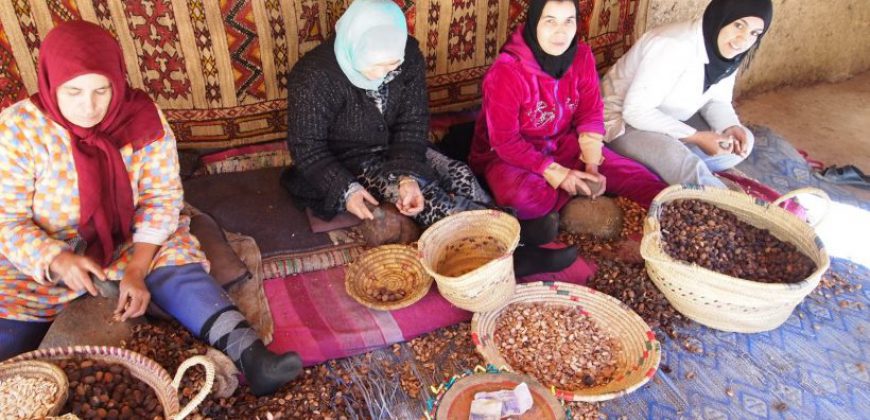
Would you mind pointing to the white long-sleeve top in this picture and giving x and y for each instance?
(659, 83)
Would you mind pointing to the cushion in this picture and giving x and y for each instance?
(253, 203)
(246, 158)
(450, 131)
(340, 221)
(315, 316)
(226, 267)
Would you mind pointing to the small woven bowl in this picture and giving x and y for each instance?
(393, 267)
(40, 370)
(641, 352)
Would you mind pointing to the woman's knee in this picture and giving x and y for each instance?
(529, 199)
(724, 162)
(187, 293)
(18, 337)
(750, 140)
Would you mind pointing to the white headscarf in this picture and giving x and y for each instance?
(369, 32)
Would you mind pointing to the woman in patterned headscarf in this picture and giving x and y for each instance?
(358, 125)
(90, 191)
(667, 102)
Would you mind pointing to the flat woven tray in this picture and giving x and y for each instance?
(641, 351)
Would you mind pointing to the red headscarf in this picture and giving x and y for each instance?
(70, 50)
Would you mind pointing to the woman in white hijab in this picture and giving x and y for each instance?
(667, 101)
(358, 125)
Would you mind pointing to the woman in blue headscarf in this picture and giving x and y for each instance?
(358, 125)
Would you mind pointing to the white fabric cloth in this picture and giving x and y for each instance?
(658, 84)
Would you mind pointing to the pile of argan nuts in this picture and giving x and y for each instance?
(330, 390)
(701, 233)
(99, 390)
(630, 283)
(315, 394)
(384, 294)
(557, 345)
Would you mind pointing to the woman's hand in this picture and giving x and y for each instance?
(75, 271)
(575, 183)
(738, 133)
(411, 200)
(356, 204)
(135, 297)
(711, 143)
(602, 180)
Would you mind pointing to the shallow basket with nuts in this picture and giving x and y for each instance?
(585, 344)
(31, 389)
(387, 277)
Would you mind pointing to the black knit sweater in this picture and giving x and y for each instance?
(334, 127)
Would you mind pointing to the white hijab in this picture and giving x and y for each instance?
(369, 32)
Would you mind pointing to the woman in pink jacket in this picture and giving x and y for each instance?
(539, 136)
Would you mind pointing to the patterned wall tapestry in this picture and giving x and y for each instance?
(218, 68)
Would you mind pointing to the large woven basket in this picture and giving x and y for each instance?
(141, 367)
(470, 256)
(720, 301)
(44, 371)
(641, 351)
(394, 267)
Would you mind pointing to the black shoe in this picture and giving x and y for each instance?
(266, 371)
(539, 231)
(848, 175)
(530, 260)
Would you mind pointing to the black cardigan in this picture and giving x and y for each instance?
(334, 127)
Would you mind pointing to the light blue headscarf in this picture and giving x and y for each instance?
(369, 32)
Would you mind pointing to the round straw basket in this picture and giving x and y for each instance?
(391, 267)
(720, 301)
(37, 370)
(470, 256)
(141, 367)
(641, 350)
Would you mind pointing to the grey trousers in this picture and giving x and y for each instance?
(674, 161)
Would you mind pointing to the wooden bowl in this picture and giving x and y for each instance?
(456, 402)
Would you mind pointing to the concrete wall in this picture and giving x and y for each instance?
(809, 41)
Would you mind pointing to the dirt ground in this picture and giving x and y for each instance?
(831, 121)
